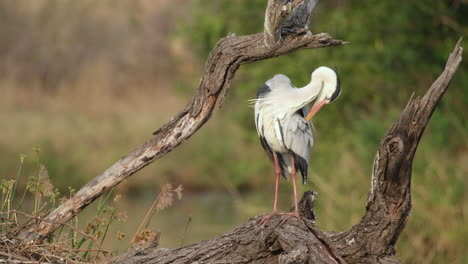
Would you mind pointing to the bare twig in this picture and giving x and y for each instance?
(50, 252)
(59, 223)
(11, 256)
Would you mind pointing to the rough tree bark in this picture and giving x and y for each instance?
(299, 241)
(223, 61)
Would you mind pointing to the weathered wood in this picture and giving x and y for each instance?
(295, 241)
(299, 241)
(277, 10)
(223, 61)
(250, 243)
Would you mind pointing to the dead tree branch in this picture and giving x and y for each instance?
(221, 66)
(370, 241)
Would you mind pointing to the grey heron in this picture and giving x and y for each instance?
(282, 122)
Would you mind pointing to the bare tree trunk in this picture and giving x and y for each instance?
(299, 241)
(223, 61)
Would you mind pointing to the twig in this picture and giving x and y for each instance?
(10, 256)
(22, 261)
(61, 223)
(43, 250)
(16, 181)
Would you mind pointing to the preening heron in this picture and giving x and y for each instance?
(282, 122)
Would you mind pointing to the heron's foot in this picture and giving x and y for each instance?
(289, 215)
(266, 218)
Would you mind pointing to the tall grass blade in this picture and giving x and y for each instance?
(22, 157)
(22, 198)
(99, 210)
(189, 220)
(101, 205)
(37, 194)
(108, 224)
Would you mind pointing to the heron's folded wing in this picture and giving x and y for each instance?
(298, 140)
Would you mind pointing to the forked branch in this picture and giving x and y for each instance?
(221, 66)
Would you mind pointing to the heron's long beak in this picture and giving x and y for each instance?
(315, 108)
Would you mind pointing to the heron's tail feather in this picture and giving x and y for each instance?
(301, 165)
(284, 166)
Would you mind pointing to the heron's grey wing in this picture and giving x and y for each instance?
(298, 139)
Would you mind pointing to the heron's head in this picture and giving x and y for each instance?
(330, 90)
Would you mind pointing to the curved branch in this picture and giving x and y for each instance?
(221, 66)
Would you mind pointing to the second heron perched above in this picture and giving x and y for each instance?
(282, 122)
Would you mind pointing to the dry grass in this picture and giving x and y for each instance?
(62, 247)
(70, 243)
(162, 201)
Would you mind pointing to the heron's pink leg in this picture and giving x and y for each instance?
(296, 211)
(275, 204)
(277, 174)
(294, 185)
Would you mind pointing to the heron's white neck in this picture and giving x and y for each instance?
(323, 84)
(300, 97)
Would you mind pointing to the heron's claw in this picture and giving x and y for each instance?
(270, 215)
(295, 214)
(266, 218)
